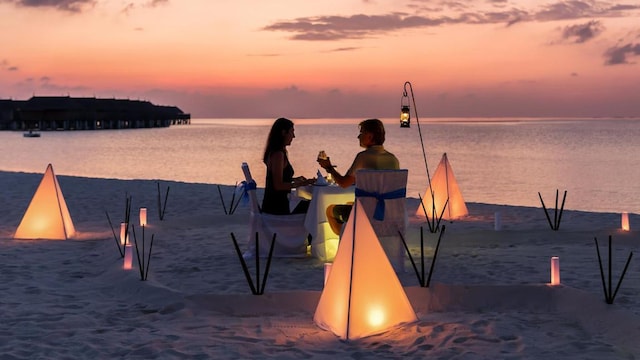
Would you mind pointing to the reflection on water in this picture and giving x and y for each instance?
(502, 162)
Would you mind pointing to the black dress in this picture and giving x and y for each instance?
(274, 201)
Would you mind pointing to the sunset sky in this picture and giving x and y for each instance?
(329, 58)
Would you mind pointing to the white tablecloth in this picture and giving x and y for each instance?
(324, 242)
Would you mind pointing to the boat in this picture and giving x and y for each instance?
(31, 134)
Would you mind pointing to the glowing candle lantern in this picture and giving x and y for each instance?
(123, 233)
(327, 271)
(128, 257)
(555, 270)
(625, 221)
(143, 216)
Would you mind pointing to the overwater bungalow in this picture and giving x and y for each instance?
(45, 113)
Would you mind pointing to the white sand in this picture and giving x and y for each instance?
(488, 297)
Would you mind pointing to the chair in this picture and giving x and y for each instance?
(291, 235)
(382, 194)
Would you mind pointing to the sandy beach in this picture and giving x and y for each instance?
(489, 296)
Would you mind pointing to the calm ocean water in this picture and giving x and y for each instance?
(495, 161)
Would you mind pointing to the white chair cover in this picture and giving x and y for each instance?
(382, 194)
(291, 236)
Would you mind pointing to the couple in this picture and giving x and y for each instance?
(280, 180)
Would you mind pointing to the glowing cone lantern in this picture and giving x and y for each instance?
(47, 216)
(363, 295)
(442, 191)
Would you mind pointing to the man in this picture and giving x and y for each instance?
(372, 136)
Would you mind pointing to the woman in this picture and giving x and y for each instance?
(280, 178)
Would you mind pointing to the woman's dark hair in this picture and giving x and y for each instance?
(275, 141)
(375, 127)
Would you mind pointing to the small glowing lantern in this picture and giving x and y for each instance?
(625, 221)
(327, 271)
(128, 257)
(143, 216)
(123, 233)
(555, 270)
(405, 116)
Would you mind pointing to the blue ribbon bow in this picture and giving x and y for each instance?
(245, 187)
(378, 213)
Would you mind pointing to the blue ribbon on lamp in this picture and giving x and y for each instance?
(378, 213)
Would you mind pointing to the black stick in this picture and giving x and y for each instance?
(422, 283)
(222, 200)
(435, 254)
(555, 213)
(413, 263)
(610, 298)
(545, 210)
(562, 208)
(622, 276)
(424, 209)
(233, 197)
(245, 268)
(146, 272)
(140, 268)
(257, 262)
(115, 237)
(266, 270)
(159, 202)
(604, 284)
(166, 200)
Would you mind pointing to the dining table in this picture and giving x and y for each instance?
(324, 242)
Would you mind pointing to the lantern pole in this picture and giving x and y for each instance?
(405, 94)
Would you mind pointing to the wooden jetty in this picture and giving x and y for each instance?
(45, 113)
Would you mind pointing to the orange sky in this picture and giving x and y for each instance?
(330, 58)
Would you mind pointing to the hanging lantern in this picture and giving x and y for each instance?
(405, 116)
(555, 270)
(625, 221)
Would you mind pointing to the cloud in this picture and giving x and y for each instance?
(618, 55)
(74, 6)
(359, 26)
(4, 65)
(582, 32)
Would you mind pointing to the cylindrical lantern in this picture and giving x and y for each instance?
(327, 271)
(123, 233)
(497, 217)
(128, 257)
(143, 216)
(625, 221)
(555, 270)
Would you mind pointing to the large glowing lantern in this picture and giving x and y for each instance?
(47, 216)
(363, 295)
(444, 186)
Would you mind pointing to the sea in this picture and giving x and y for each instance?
(508, 161)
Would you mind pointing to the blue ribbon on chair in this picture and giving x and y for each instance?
(378, 213)
(245, 186)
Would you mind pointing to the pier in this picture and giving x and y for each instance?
(44, 113)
